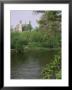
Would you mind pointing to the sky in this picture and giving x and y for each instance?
(25, 16)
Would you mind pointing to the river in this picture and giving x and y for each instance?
(29, 64)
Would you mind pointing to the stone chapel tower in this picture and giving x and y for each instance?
(20, 26)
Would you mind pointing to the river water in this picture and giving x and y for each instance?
(29, 64)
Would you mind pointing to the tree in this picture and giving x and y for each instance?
(27, 27)
(50, 20)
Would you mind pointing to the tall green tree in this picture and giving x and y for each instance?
(50, 20)
(27, 27)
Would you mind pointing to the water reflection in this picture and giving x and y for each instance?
(29, 64)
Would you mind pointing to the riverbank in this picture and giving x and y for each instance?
(38, 48)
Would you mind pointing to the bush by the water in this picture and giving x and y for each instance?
(53, 70)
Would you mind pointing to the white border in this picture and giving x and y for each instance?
(65, 27)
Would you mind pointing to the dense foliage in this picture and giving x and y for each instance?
(34, 39)
(50, 21)
(53, 70)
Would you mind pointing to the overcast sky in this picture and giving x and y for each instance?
(25, 16)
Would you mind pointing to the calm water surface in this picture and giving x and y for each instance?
(29, 64)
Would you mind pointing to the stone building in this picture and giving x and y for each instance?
(18, 27)
(22, 27)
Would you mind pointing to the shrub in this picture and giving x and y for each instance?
(53, 70)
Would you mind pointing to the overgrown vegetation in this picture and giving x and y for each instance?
(53, 70)
(34, 39)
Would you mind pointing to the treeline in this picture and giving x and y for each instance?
(34, 39)
(47, 35)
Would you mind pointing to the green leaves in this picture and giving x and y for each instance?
(53, 70)
(35, 39)
(50, 21)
